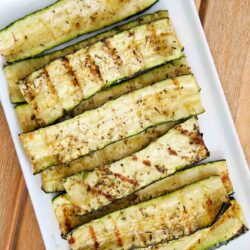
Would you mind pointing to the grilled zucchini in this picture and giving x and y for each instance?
(67, 213)
(53, 178)
(172, 69)
(178, 148)
(229, 226)
(166, 218)
(128, 115)
(61, 22)
(61, 85)
(19, 70)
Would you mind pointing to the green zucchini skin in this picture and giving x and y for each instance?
(28, 121)
(53, 178)
(62, 84)
(180, 147)
(69, 140)
(67, 213)
(229, 226)
(20, 70)
(153, 221)
(63, 21)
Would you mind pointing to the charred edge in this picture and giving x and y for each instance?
(224, 207)
(195, 137)
(240, 232)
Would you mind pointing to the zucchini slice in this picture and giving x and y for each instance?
(28, 121)
(128, 115)
(67, 213)
(61, 22)
(180, 147)
(53, 178)
(229, 226)
(61, 85)
(166, 218)
(20, 70)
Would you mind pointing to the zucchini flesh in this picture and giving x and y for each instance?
(26, 117)
(61, 22)
(180, 147)
(178, 67)
(67, 213)
(20, 70)
(167, 217)
(116, 120)
(64, 83)
(230, 225)
(53, 178)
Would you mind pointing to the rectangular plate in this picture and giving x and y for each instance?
(216, 124)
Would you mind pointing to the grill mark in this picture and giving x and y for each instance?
(195, 137)
(125, 178)
(100, 192)
(113, 52)
(146, 162)
(71, 240)
(141, 235)
(160, 169)
(155, 40)
(28, 91)
(93, 67)
(176, 81)
(70, 71)
(93, 237)
(117, 234)
(136, 51)
(107, 171)
(172, 151)
(49, 83)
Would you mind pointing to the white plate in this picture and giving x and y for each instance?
(217, 125)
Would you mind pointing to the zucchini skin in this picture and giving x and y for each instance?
(53, 178)
(20, 70)
(67, 213)
(61, 85)
(180, 147)
(179, 67)
(153, 221)
(229, 226)
(64, 21)
(69, 140)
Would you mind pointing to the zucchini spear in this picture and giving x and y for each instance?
(67, 213)
(126, 116)
(180, 147)
(28, 121)
(229, 226)
(17, 71)
(62, 84)
(63, 21)
(166, 218)
(53, 178)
